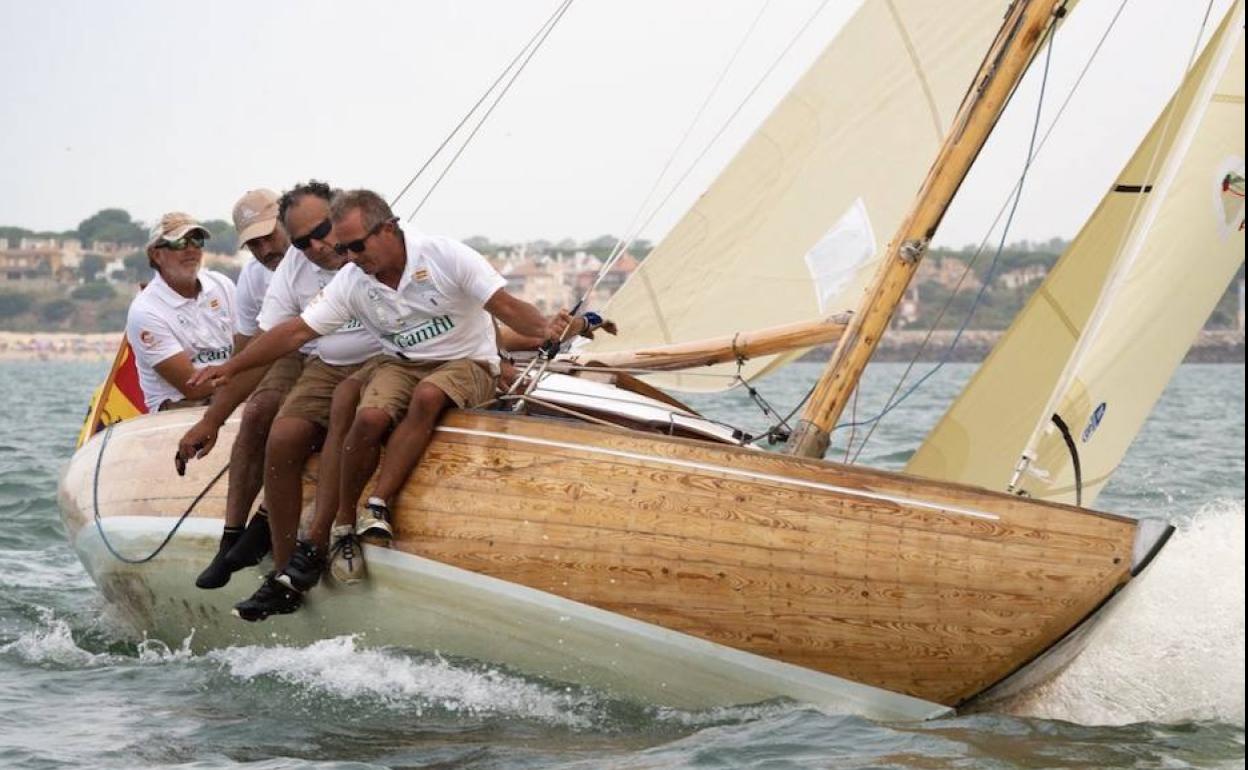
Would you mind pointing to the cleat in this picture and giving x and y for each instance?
(374, 520)
(255, 542)
(304, 569)
(346, 556)
(272, 598)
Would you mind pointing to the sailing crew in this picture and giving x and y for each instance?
(255, 221)
(303, 425)
(183, 319)
(421, 298)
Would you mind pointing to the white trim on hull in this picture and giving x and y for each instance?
(460, 613)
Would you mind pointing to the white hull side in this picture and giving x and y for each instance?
(427, 606)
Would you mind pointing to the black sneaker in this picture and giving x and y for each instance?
(271, 598)
(374, 520)
(255, 542)
(304, 569)
(218, 572)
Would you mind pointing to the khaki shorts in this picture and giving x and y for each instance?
(312, 395)
(282, 374)
(389, 382)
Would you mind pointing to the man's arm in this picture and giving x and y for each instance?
(201, 437)
(525, 319)
(177, 370)
(284, 338)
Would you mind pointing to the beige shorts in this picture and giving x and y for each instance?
(282, 374)
(312, 395)
(389, 382)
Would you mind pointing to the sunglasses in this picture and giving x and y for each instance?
(317, 233)
(183, 243)
(357, 246)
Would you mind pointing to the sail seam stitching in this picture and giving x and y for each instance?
(722, 469)
(937, 123)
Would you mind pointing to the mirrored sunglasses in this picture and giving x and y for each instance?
(195, 241)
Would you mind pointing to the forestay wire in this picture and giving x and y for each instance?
(517, 63)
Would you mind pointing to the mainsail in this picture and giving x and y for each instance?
(1100, 338)
(791, 230)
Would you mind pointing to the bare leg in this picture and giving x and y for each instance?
(291, 441)
(408, 442)
(360, 450)
(341, 414)
(247, 456)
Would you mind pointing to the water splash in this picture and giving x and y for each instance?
(343, 668)
(1174, 650)
(52, 644)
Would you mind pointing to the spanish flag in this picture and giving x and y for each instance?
(118, 398)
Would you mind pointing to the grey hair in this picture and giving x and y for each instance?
(372, 207)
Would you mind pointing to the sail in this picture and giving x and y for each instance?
(1113, 320)
(793, 227)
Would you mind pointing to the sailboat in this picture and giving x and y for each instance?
(596, 531)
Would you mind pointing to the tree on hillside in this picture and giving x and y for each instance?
(111, 225)
(137, 268)
(224, 239)
(90, 266)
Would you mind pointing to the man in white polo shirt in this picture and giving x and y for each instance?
(183, 319)
(255, 221)
(422, 298)
(303, 424)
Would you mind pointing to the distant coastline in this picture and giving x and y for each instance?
(1212, 346)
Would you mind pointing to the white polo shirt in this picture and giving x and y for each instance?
(253, 282)
(295, 282)
(162, 323)
(435, 314)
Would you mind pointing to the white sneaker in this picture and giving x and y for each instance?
(346, 556)
(374, 520)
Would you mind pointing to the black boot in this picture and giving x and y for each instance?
(272, 598)
(255, 542)
(218, 572)
(304, 569)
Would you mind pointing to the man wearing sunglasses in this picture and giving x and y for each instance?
(255, 221)
(428, 302)
(303, 425)
(183, 319)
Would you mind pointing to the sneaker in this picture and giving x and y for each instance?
(374, 520)
(346, 556)
(218, 572)
(271, 598)
(304, 569)
(255, 542)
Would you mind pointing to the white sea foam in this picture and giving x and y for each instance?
(51, 643)
(1174, 650)
(344, 668)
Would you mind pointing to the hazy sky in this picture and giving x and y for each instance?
(153, 105)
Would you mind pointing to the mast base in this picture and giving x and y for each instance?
(809, 440)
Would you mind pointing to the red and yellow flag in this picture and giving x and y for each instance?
(118, 398)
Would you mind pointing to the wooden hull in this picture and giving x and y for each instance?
(671, 570)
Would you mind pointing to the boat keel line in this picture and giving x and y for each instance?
(906, 501)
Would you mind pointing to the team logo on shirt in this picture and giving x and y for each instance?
(374, 294)
(213, 356)
(423, 332)
(147, 338)
(420, 275)
(214, 303)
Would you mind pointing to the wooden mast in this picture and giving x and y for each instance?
(1017, 42)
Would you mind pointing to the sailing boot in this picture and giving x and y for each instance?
(271, 598)
(346, 556)
(255, 543)
(218, 571)
(374, 521)
(304, 569)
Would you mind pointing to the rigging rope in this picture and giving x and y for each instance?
(99, 523)
(523, 56)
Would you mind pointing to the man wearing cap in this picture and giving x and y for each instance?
(255, 221)
(183, 319)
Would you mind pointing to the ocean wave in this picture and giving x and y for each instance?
(1174, 650)
(52, 643)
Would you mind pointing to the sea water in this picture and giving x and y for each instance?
(1161, 684)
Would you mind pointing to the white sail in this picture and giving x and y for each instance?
(1101, 337)
(791, 230)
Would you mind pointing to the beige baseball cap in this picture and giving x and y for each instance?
(255, 214)
(173, 226)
